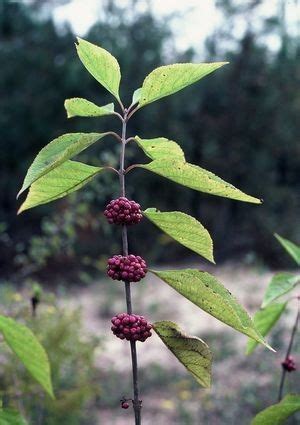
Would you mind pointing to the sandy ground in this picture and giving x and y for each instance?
(156, 300)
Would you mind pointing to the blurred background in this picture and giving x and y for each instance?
(242, 123)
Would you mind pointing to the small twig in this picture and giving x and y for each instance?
(107, 167)
(133, 112)
(131, 167)
(289, 349)
(118, 115)
(112, 133)
(129, 139)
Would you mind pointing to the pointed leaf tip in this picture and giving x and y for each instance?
(63, 180)
(205, 291)
(28, 349)
(291, 248)
(56, 153)
(169, 79)
(184, 229)
(101, 64)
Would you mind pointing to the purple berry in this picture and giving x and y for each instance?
(123, 211)
(125, 405)
(130, 268)
(289, 364)
(131, 327)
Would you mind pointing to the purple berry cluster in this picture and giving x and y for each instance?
(131, 327)
(289, 364)
(123, 211)
(127, 267)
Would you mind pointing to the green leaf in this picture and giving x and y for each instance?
(11, 417)
(136, 96)
(281, 284)
(184, 229)
(78, 107)
(292, 249)
(196, 178)
(278, 413)
(101, 64)
(61, 181)
(160, 148)
(169, 79)
(56, 152)
(29, 351)
(191, 351)
(206, 292)
(264, 320)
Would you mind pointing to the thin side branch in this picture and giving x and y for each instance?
(118, 115)
(133, 111)
(131, 167)
(129, 139)
(107, 167)
(289, 349)
(115, 135)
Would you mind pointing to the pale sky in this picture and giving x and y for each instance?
(200, 17)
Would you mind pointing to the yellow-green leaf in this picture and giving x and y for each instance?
(184, 229)
(56, 152)
(169, 79)
(101, 64)
(11, 417)
(191, 351)
(29, 351)
(264, 320)
(292, 249)
(196, 178)
(78, 107)
(281, 284)
(210, 295)
(160, 148)
(61, 181)
(136, 96)
(278, 413)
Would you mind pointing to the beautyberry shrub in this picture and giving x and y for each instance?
(123, 211)
(131, 327)
(289, 364)
(127, 267)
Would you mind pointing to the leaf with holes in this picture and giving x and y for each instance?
(281, 284)
(196, 178)
(101, 64)
(57, 152)
(160, 148)
(63, 180)
(191, 351)
(206, 292)
(264, 320)
(292, 249)
(78, 107)
(184, 229)
(278, 413)
(29, 351)
(169, 79)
